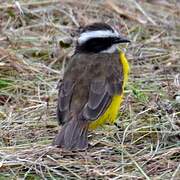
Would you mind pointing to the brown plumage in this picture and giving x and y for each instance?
(89, 84)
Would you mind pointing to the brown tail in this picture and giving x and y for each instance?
(73, 135)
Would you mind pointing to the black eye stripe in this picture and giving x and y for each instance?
(102, 40)
(96, 44)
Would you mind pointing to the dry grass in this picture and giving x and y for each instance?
(145, 146)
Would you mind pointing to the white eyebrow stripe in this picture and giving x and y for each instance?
(96, 34)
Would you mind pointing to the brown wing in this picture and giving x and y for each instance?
(91, 88)
(64, 97)
(100, 96)
(101, 93)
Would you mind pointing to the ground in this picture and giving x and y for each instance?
(145, 144)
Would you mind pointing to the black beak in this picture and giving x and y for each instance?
(121, 39)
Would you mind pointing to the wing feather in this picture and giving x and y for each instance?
(98, 101)
(64, 98)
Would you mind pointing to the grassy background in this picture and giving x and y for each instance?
(146, 145)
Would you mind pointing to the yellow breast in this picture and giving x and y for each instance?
(111, 113)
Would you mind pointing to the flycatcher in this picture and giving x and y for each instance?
(92, 88)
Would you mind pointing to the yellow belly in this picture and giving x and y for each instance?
(111, 113)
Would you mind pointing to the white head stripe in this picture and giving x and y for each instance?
(96, 34)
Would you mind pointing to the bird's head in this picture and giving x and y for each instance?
(99, 38)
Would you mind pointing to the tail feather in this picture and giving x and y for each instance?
(73, 135)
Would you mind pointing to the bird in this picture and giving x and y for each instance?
(91, 90)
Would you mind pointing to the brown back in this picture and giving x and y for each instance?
(89, 83)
